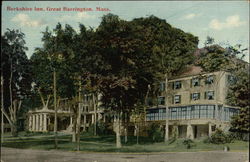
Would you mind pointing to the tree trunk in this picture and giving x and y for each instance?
(2, 107)
(137, 134)
(117, 125)
(95, 118)
(166, 104)
(125, 129)
(74, 131)
(79, 118)
(13, 129)
(55, 108)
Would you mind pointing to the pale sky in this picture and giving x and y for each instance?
(225, 21)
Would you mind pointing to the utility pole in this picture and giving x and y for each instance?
(55, 108)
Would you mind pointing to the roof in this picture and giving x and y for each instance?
(190, 70)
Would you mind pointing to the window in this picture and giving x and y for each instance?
(161, 100)
(177, 85)
(177, 99)
(195, 82)
(231, 79)
(209, 95)
(203, 111)
(196, 111)
(209, 79)
(162, 86)
(195, 96)
(173, 113)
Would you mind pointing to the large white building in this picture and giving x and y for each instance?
(196, 103)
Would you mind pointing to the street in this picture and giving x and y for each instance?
(26, 155)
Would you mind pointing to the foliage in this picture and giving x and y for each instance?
(219, 137)
(103, 129)
(155, 132)
(15, 70)
(188, 143)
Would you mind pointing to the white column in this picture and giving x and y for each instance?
(71, 120)
(93, 118)
(37, 122)
(30, 122)
(209, 129)
(33, 122)
(44, 122)
(190, 132)
(84, 122)
(104, 118)
(41, 122)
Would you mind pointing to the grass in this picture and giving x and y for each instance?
(107, 144)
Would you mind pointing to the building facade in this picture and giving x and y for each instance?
(42, 120)
(196, 104)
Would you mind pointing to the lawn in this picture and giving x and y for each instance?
(107, 144)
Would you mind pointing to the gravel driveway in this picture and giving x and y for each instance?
(26, 155)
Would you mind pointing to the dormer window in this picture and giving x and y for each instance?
(195, 82)
(177, 85)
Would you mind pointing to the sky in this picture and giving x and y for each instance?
(225, 21)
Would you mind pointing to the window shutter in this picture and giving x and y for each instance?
(172, 85)
(205, 95)
(198, 95)
(173, 100)
(191, 96)
(180, 98)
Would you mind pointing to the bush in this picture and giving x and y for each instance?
(219, 137)
(155, 132)
(188, 143)
(101, 129)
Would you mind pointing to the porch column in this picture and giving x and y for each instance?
(33, 122)
(209, 129)
(30, 122)
(93, 119)
(71, 120)
(176, 130)
(84, 122)
(37, 122)
(41, 122)
(45, 122)
(190, 132)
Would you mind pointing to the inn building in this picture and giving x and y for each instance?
(196, 106)
(196, 103)
(42, 119)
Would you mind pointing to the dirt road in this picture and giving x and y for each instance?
(25, 155)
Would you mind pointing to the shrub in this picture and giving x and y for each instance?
(155, 132)
(188, 143)
(219, 137)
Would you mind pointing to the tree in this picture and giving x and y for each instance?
(136, 54)
(238, 95)
(56, 56)
(16, 75)
(169, 50)
(215, 58)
